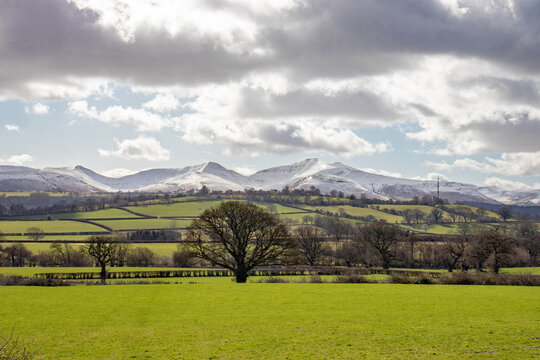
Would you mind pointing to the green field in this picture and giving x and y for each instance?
(275, 321)
(192, 208)
(357, 211)
(57, 226)
(521, 270)
(141, 224)
(99, 214)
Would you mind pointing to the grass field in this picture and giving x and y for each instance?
(57, 226)
(141, 224)
(357, 211)
(275, 321)
(192, 208)
(99, 214)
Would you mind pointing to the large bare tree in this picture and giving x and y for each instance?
(382, 237)
(311, 243)
(238, 236)
(102, 249)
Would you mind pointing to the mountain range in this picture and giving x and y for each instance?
(301, 175)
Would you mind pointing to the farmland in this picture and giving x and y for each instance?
(268, 321)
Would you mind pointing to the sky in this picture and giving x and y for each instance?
(409, 88)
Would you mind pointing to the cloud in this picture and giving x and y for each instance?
(37, 109)
(506, 184)
(517, 164)
(12, 127)
(17, 159)
(118, 116)
(464, 74)
(142, 147)
(162, 103)
(260, 137)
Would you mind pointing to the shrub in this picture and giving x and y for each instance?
(410, 279)
(13, 349)
(353, 279)
(24, 281)
(273, 280)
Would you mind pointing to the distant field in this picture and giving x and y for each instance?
(57, 226)
(99, 214)
(445, 229)
(223, 320)
(522, 270)
(357, 211)
(49, 238)
(193, 208)
(424, 208)
(141, 224)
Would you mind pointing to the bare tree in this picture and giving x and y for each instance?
(454, 250)
(35, 233)
(311, 243)
(491, 247)
(382, 237)
(531, 244)
(102, 249)
(238, 236)
(436, 214)
(505, 212)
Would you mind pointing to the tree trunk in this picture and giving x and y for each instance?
(241, 275)
(103, 275)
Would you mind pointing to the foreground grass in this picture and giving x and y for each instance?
(275, 321)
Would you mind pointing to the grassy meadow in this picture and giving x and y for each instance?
(223, 320)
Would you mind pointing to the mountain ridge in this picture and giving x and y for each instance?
(307, 174)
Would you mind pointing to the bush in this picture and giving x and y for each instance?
(410, 279)
(24, 281)
(273, 280)
(353, 279)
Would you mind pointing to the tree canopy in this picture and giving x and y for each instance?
(238, 236)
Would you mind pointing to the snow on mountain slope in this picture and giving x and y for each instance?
(301, 175)
(279, 176)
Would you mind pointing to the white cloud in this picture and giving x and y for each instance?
(12, 127)
(506, 184)
(142, 147)
(162, 103)
(17, 160)
(257, 137)
(517, 164)
(118, 116)
(37, 109)
(382, 172)
(464, 72)
(117, 173)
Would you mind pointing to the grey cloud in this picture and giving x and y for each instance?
(306, 102)
(54, 40)
(512, 91)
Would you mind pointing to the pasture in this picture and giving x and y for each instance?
(223, 320)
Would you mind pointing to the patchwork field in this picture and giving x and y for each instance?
(275, 321)
(56, 226)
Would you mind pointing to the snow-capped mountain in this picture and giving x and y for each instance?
(301, 175)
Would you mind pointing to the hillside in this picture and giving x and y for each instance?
(307, 174)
